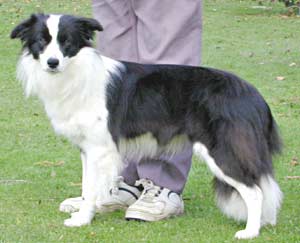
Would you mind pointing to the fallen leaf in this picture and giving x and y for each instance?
(294, 162)
(75, 183)
(47, 163)
(292, 177)
(261, 7)
(12, 182)
(251, 54)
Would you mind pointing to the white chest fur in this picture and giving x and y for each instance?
(85, 123)
(75, 98)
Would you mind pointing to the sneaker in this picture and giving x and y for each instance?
(120, 197)
(155, 203)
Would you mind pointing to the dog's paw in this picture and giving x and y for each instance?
(77, 219)
(71, 205)
(246, 234)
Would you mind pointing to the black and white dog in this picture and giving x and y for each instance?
(111, 109)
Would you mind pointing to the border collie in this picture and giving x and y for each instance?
(112, 109)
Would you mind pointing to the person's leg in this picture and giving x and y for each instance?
(168, 172)
(169, 31)
(118, 38)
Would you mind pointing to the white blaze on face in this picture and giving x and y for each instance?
(52, 50)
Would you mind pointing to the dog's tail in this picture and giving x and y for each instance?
(274, 140)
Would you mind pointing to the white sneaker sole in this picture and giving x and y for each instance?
(145, 216)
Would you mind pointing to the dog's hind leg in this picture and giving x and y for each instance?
(252, 196)
(229, 200)
(272, 199)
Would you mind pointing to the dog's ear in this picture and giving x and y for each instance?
(88, 26)
(20, 30)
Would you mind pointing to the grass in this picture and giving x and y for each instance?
(257, 44)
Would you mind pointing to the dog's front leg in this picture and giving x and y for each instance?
(103, 164)
(73, 204)
(84, 173)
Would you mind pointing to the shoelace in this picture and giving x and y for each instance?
(150, 192)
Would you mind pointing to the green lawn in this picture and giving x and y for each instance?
(260, 45)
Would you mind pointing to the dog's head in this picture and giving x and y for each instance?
(54, 39)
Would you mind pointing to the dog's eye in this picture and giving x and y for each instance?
(66, 42)
(41, 41)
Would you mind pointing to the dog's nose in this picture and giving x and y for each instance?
(53, 62)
